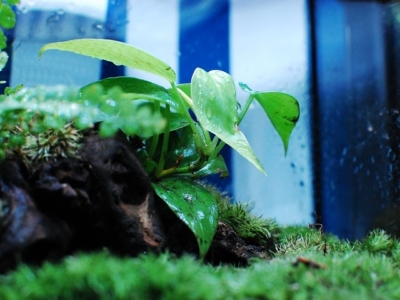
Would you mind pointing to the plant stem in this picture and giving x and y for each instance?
(197, 165)
(189, 101)
(245, 108)
(164, 148)
(185, 97)
(200, 144)
(217, 150)
(154, 140)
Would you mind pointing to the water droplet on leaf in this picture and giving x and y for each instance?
(209, 112)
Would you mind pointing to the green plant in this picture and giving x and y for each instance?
(255, 230)
(7, 21)
(183, 128)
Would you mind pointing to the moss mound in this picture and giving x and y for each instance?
(301, 269)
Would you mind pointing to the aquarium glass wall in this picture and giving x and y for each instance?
(356, 124)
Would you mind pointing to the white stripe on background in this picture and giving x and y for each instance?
(154, 27)
(269, 53)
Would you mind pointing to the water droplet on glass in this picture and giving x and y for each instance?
(372, 159)
(98, 26)
(370, 128)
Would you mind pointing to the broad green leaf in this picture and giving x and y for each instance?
(7, 16)
(181, 147)
(13, 2)
(214, 100)
(116, 52)
(3, 59)
(215, 106)
(194, 205)
(176, 120)
(136, 86)
(144, 158)
(282, 109)
(215, 166)
(3, 40)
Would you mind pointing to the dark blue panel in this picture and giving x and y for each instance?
(115, 29)
(330, 55)
(355, 155)
(204, 43)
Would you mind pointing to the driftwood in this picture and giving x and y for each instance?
(102, 198)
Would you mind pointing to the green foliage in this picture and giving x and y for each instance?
(282, 109)
(342, 274)
(3, 60)
(255, 230)
(196, 207)
(117, 52)
(188, 147)
(38, 120)
(7, 21)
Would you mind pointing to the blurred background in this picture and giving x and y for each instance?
(339, 58)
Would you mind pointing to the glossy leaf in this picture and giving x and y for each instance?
(7, 16)
(182, 148)
(136, 86)
(194, 205)
(3, 59)
(13, 2)
(3, 40)
(116, 52)
(176, 120)
(215, 106)
(146, 161)
(282, 109)
(215, 166)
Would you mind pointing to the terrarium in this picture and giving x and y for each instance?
(113, 157)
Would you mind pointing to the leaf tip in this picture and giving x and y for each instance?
(41, 51)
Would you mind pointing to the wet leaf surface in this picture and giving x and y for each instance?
(194, 205)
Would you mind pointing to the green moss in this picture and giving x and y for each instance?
(253, 229)
(367, 269)
(308, 264)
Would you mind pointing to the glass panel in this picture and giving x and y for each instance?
(357, 80)
(269, 51)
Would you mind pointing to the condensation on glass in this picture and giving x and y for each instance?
(358, 79)
(40, 22)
